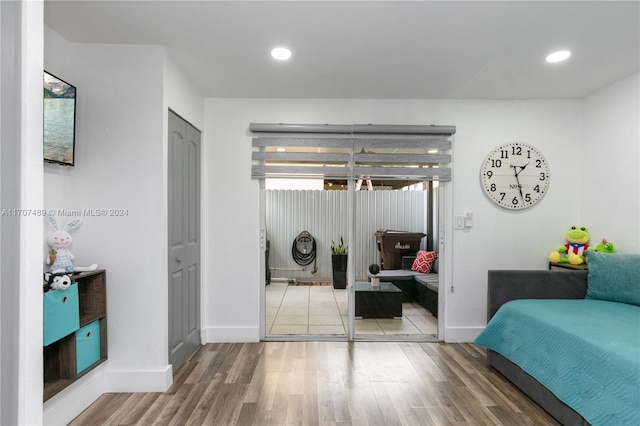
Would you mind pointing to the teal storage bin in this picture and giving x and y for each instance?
(61, 314)
(87, 346)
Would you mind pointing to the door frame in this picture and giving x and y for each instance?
(443, 243)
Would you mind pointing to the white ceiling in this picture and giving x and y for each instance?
(374, 49)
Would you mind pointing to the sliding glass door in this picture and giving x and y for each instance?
(370, 179)
(393, 221)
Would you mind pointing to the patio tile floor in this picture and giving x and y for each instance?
(320, 310)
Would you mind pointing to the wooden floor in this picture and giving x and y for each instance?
(327, 383)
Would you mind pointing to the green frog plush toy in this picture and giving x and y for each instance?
(574, 251)
(605, 247)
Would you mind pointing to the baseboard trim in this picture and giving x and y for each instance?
(232, 334)
(461, 334)
(138, 381)
(70, 402)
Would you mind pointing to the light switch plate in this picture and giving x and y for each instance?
(468, 220)
(458, 222)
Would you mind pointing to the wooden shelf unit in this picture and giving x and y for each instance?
(567, 267)
(60, 357)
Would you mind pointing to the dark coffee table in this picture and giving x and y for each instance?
(380, 302)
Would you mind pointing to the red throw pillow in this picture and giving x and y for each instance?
(424, 261)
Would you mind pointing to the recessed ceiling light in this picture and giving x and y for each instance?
(558, 56)
(281, 53)
(281, 149)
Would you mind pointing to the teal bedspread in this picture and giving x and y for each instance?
(587, 352)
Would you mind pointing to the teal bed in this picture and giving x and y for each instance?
(590, 362)
(570, 340)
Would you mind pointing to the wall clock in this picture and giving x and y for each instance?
(515, 175)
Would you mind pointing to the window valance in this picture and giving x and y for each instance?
(351, 151)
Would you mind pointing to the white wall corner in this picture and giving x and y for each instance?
(249, 334)
(68, 404)
(138, 380)
(461, 334)
(28, 65)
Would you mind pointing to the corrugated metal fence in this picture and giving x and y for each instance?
(324, 214)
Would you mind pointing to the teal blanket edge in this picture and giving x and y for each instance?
(586, 352)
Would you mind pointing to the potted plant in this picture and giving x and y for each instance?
(374, 269)
(339, 254)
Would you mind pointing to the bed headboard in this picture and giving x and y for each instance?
(506, 285)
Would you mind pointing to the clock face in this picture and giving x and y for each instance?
(515, 175)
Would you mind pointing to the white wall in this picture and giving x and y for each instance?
(31, 195)
(119, 164)
(59, 59)
(182, 96)
(609, 163)
(21, 188)
(499, 238)
(121, 153)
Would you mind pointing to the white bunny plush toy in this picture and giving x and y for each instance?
(59, 240)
